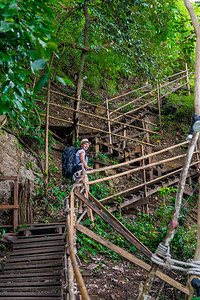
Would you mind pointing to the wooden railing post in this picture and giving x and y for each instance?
(96, 151)
(15, 212)
(145, 207)
(159, 106)
(187, 79)
(145, 126)
(109, 126)
(124, 142)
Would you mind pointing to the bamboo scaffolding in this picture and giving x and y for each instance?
(92, 104)
(136, 169)
(136, 159)
(147, 183)
(100, 130)
(131, 257)
(131, 102)
(96, 116)
(109, 126)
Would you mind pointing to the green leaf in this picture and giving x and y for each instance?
(64, 80)
(39, 64)
(4, 107)
(42, 81)
(5, 26)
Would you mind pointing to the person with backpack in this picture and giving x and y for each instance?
(81, 158)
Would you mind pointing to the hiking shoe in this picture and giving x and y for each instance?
(189, 137)
(196, 126)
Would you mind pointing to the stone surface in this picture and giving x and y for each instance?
(15, 161)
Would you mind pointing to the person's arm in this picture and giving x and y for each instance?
(82, 159)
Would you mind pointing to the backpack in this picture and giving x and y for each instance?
(68, 159)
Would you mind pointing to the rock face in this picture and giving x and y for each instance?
(15, 161)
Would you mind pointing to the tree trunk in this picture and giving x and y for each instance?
(79, 85)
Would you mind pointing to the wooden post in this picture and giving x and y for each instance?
(145, 207)
(158, 98)
(15, 212)
(96, 151)
(90, 214)
(109, 126)
(145, 126)
(187, 79)
(126, 158)
(124, 142)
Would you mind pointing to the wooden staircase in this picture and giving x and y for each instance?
(34, 269)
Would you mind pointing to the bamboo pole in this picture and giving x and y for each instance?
(90, 214)
(96, 151)
(92, 104)
(173, 75)
(173, 81)
(96, 116)
(109, 126)
(135, 170)
(99, 130)
(124, 142)
(133, 101)
(145, 207)
(74, 263)
(187, 78)
(159, 106)
(145, 126)
(142, 185)
(144, 86)
(136, 159)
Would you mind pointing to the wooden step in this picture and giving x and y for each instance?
(33, 245)
(39, 264)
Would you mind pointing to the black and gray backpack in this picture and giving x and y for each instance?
(68, 159)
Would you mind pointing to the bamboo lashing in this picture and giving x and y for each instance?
(94, 105)
(96, 116)
(100, 130)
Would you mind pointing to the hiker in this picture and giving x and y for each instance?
(195, 119)
(80, 158)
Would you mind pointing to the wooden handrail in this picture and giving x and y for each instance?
(101, 130)
(173, 81)
(95, 105)
(136, 169)
(99, 117)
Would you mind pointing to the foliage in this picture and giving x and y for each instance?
(26, 41)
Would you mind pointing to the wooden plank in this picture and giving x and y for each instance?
(8, 178)
(30, 266)
(35, 236)
(33, 239)
(37, 250)
(36, 293)
(118, 226)
(29, 298)
(24, 283)
(34, 257)
(49, 289)
(131, 258)
(37, 278)
(47, 243)
(9, 206)
(31, 275)
(34, 270)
